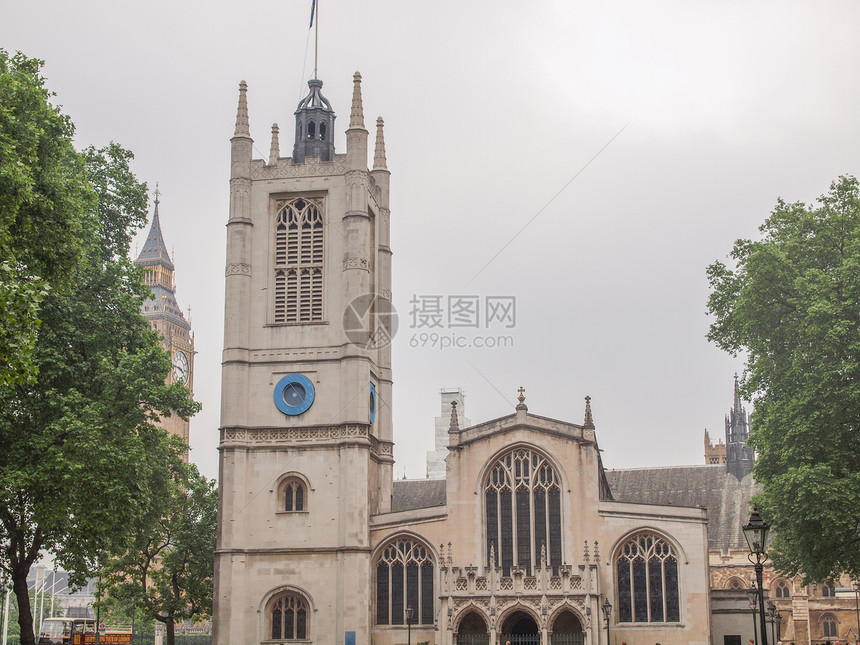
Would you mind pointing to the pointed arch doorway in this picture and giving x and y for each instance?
(520, 629)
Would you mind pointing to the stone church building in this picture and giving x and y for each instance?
(523, 540)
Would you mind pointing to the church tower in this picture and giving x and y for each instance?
(306, 430)
(164, 314)
(739, 458)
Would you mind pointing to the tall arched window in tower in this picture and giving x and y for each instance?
(522, 495)
(404, 578)
(288, 617)
(299, 261)
(647, 571)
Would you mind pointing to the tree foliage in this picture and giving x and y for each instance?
(792, 306)
(80, 432)
(167, 570)
(45, 209)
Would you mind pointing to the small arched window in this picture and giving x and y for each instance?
(828, 590)
(647, 571)
(312, 130)
(322, 131)
(293, 495)
(830, 626)
(782, 590)
(288, 617)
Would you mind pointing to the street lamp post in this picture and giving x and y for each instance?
(856, 586)
(607, 614)
(755, 533)
(752, 596)
(409, 612)
(772, 614)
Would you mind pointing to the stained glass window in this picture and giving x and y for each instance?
(404, 578)
(299, 261)
(289, 617)
(523, 511)
(647, 574)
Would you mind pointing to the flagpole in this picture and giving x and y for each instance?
(316, 36)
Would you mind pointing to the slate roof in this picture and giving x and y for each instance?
(410, 494)
(154, 248)
(711, 486)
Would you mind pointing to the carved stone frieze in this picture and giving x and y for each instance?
(386, 293)
(238, 269)
(294, 435)
(312, 167)
(356, 263)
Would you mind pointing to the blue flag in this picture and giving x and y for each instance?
(313, 11)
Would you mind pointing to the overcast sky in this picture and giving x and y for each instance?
(491, 108)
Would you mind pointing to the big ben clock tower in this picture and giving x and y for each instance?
(164, 314)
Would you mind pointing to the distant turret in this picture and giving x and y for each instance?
(739, 458)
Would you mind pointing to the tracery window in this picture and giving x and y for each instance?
(288, 617)
(522, 499)
(647, 571)
(828, 590)
(294, 495)
(782, 590)
(299, 261)
(404, 578)
(830, 626)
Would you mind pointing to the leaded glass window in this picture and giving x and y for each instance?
(522, 497)
(830, 626)
(647, 574)
(288, 617)
(294, 495)
(299, 261)
(404, 578)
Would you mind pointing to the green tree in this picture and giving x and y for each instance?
(791, 305)
(168, 569)
(45, 209)
(79, 433)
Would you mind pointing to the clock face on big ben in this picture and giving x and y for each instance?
(180, 367)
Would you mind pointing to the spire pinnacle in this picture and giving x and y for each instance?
(379, 162)
(275, 149)
(242, 127)
(454, 426)
(589, 421)
(737, 402)
(356, 113)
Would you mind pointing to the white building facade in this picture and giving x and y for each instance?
(521, 540)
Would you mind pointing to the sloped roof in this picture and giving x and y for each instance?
(154, 248)
(410, 494)
(711, 486)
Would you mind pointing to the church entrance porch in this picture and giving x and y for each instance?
(520, 629)
(567, 630)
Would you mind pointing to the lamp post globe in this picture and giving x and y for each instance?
(607, 614)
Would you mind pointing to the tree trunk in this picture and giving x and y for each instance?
(25, 613)
(170, 624)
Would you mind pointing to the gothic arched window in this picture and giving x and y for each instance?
(830, 626)
(288, 617)
(828, 590)
(311, 130)
(299, 261)
(293, 494)
(404, 579)
(522, 496)
(647, 571)
(782, 590)
(322, 130)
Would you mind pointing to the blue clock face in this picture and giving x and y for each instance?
(294, 394)
(372, 415)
